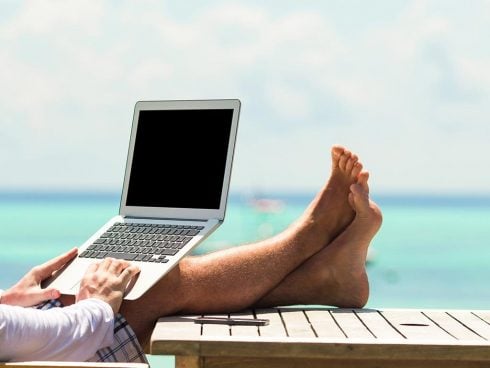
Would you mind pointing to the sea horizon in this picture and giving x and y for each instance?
(295, 197)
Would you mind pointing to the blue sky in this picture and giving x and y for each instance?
(406, 84)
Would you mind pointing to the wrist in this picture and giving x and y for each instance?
(3, 296)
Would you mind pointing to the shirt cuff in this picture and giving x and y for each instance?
(108, 317)
(108, 312)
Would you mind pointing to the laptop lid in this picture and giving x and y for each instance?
(180, 159)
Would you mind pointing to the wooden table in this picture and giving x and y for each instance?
(45, 364)
(314, 337)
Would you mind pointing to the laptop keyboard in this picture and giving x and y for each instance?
(141, 242)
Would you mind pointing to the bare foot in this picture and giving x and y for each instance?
(336, 275)
(330, 212)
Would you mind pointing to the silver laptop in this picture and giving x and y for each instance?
(175, 190)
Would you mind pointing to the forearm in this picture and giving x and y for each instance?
(72, 333)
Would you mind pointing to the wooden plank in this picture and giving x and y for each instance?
(472, 322)
(275, 328)
(483, 314)
(189, 362)
(237, 330)
(351, 349)
(177, 328)
(323, 324)
(215, 330)
(378, 326)
(249, 362)
(452, 326)
(177, 335)
(296, 323)
(414, 325)
(350, 324)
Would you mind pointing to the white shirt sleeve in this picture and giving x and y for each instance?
(72, 333)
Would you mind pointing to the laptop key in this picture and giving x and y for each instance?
(86, 254)
(169, 252)
(98, 255)
(126, 256)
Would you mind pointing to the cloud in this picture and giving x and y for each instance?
(397, 88)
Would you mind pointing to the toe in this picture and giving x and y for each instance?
(350, 163)
(362, 180)
(343, 160)
(337, 152)
(356, 170)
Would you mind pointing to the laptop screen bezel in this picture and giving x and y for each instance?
(181, 213)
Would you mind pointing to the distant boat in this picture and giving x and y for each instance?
(267, 205)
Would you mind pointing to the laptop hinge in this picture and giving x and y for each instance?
(168, 218)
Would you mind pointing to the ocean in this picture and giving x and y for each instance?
(431, 252)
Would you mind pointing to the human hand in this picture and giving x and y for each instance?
(107, 281)
(28, 292)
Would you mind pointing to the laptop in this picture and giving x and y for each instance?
(174, 193)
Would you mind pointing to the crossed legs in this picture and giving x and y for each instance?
(294, 267)
(336, 275)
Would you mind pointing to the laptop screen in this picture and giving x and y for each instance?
(179, 158)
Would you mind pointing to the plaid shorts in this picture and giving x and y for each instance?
(126, 347)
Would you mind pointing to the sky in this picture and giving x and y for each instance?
(405, 84)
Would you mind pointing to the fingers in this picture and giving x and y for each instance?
(47, 294)
(107, 281)
(91, 270)
(117, 267)
(93, 267)
(128, 273)
(46, 269)
(112, 265)
(33, 296)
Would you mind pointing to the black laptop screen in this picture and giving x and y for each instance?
(179, 158)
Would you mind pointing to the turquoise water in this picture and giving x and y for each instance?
(430, 252)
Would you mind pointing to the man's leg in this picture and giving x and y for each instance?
(336, 275)
(238, 277)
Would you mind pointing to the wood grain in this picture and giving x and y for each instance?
(318, 337)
